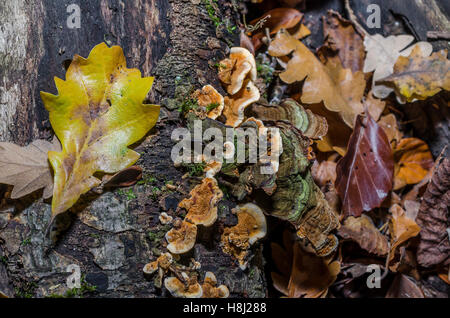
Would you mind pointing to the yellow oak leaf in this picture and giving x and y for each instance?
(96, 115)
(419, 76)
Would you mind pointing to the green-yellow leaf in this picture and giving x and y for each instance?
(97, 114)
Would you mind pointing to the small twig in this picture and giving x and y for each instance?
(386, 266)
(438, 35)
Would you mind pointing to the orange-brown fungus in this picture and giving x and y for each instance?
(202, 205)
(236, 240)
(182, 239)
(210, 101)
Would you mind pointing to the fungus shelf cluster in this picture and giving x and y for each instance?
(288, 185)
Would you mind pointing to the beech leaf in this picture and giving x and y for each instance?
(97, 114)
(364, 174)
(27, 168)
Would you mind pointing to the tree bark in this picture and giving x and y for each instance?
(113, 235)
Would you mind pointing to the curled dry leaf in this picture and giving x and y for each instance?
(382, 53)
(275, 20)
(125, 178)
(413, 160)
(364, 174)
(27, 168)
(351, 87)
(342, 39)
(310, 275)
(402, 228)
(338, 132)
(96, 116)
(302, 32)
(434, 219)
(363, 231)
(419, 75)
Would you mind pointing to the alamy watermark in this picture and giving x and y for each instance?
(374, 19)
(74, 279)
(374, 279)
(238, 145)
(74, 19)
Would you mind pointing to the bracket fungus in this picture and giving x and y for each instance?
(164, 218)
(211, 102)
(201, 207)
(298, 199)
(311, 125)
(210, 288)
(251, 226)
(190, 288)
(235, 104)
(161, 265)
(233, 71)
(182, 237)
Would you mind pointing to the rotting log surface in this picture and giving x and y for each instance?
(113, 235)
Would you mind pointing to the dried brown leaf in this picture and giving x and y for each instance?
(402, 228)
(363, 231)
(413, 160)
(342, 39)
(364, 174)
(434, 219)
(27, 168)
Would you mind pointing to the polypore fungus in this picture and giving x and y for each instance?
(270, 160)
(310, 124)
(164, 218)
(161, 265)
(210, 102)
(210, 288)
(236, 104)
(212, 169)
(233, 71)
(201, 207)
(164, 261)
(189, 289)
(236, 240)
(181, 239)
